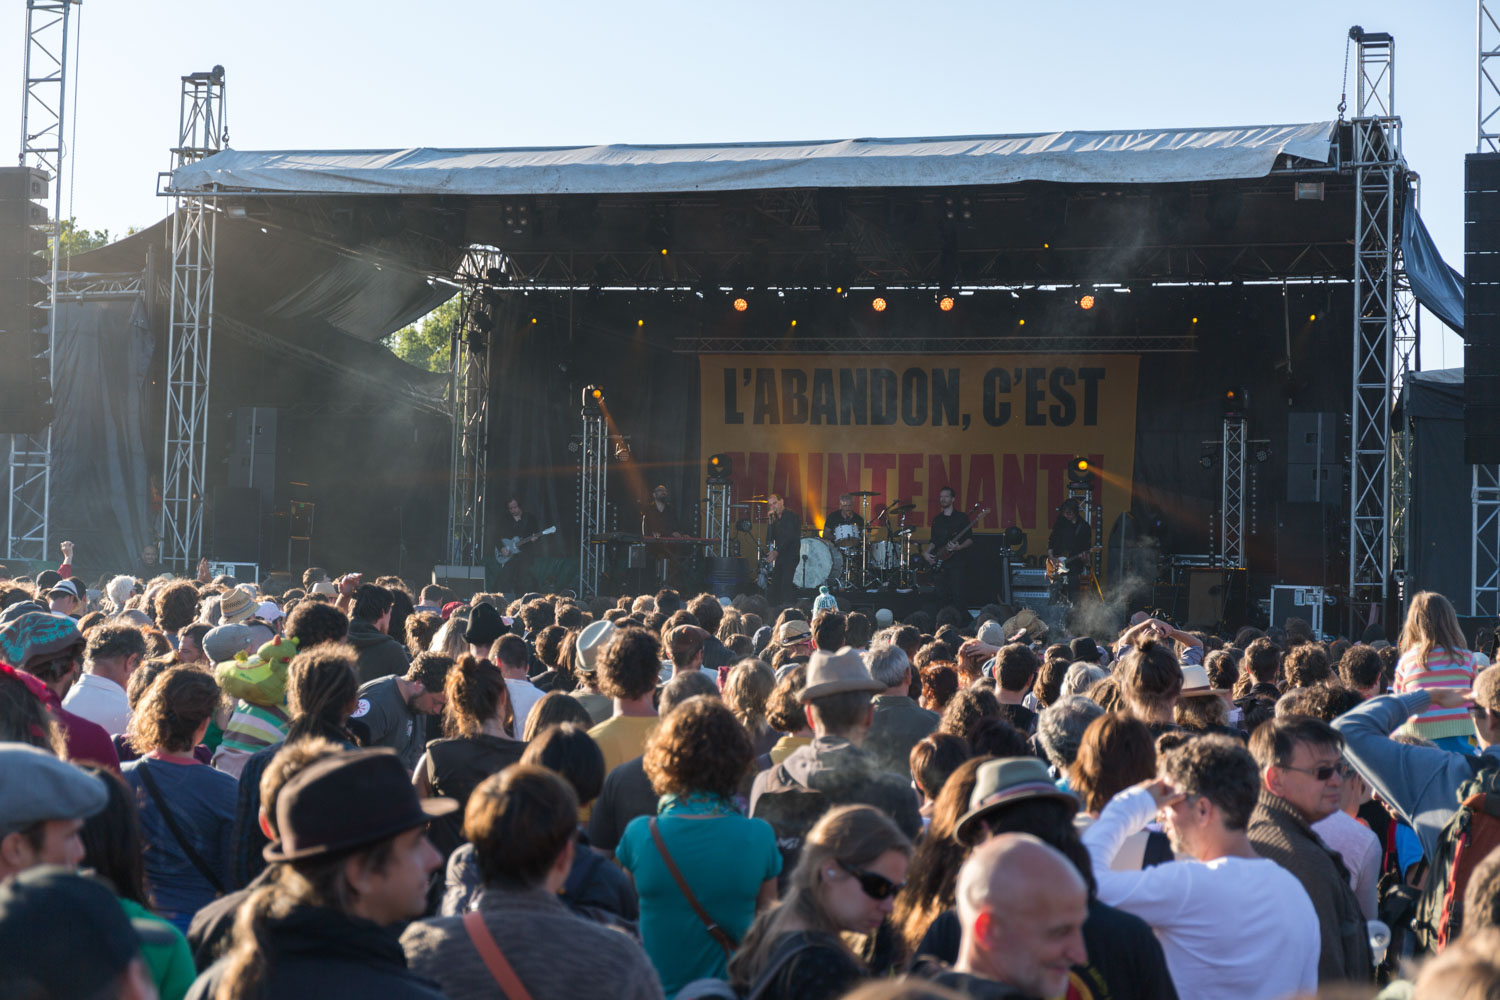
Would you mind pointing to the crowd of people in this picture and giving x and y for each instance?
(341, 788)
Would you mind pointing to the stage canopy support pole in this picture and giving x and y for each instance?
(1384, 330)
(201, 132)
(593, 464)
(1232, 495)
(43, 105)
(719, 525)
(469, 395)
(1484, 557)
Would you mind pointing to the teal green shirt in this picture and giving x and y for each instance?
(171, 966)
(725, 857)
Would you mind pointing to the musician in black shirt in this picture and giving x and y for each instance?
(785, 540)
(659, 520)
(947, 546)
(844, 515)
(1070, 541)
(510, 566)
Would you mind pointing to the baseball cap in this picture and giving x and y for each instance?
(223, 641)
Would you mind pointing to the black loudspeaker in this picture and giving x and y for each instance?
(252, 459)
(1482, 309)
(983, 579)
(236, 525)
(1302, 549)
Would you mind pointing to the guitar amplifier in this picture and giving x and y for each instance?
(464, 581)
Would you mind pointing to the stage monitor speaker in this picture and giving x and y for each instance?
(236, 523)
(983, 581)
(1205, 597)
(1302, 543)
(464, 581)
(1482, 309)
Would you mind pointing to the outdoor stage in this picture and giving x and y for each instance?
(880, 316)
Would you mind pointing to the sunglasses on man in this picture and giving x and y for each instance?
(877, 887)
(1326, 771)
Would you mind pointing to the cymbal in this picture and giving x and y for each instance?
(901, 507)
(759, 496)
(752, 500)
(863, 493)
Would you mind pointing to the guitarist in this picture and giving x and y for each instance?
(1070, 542)
(785, 541)
(947, 525)
(514, 523)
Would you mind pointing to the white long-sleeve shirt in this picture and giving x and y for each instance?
(1231, 928)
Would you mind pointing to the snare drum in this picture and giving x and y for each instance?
(818, 563)
(846, 536)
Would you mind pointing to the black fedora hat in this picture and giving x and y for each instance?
(347, 801)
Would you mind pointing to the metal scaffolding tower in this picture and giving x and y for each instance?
(201, 132)
(1384, 320)
(469, 393)
(593, 462)
(1484, 555)
(44, 92)
(1232, 495)
(719, 523)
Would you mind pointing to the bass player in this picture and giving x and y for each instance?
(950, 541)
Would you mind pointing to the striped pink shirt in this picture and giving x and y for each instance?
(1444, 668)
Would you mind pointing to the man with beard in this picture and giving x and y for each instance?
(785, 540)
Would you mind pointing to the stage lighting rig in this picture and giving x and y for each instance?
(1235, 402)
(1079, 470)
(946, 303)
(1086, 302)
(720, 468)
(878, 304)
(593, 396)
(741, 304)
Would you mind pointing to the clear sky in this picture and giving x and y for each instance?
(325, 74)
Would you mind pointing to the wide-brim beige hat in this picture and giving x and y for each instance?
(837, 673)
(235, 606)
(591, 641)
(1195, 683)
(1025, 619)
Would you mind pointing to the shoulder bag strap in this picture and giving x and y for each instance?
(714, 930)
(494, 959)
(196, 859)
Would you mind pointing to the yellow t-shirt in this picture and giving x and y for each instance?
(623, 738)
(784, 747)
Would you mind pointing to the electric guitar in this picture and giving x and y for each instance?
(510, 547)
(973, 520)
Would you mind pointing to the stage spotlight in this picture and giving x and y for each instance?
(1313, 318)
(740, 305)
(1087, 302)
(1261, 453)
(1235, 402)
(946, 303)
(640, 322)
(794, 322)
(1206, 460)
(533, 321)
(1013, 536)
(720, 468)
(1195, 320)
(1079, 471)
(878, 305)
(592, 397)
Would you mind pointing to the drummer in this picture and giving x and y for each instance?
(846, 518)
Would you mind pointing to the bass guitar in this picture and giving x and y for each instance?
(938, 555)
(510, 547)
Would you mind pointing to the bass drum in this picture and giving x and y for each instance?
(885, 555)
(818, 563)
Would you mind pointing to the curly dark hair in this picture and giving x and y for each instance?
(630, 665)
(549, 645)
(700, 747)
(966, 709)
(175, 605)
(1219, 769)
(1262, 661)
(176, 704)
(311, 624)
(1048, 686)
(1360, 667)
(1306, 664)
(784, 709)
(939, 685)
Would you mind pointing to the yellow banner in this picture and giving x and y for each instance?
(1001, 430)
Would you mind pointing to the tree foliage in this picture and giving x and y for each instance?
(75, 240)
(425, 342)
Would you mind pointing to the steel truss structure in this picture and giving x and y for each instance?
(201, 132)
(469, 396)
(44, 95)
(935, 345)
(1232, 495)
(1384, 321)
(719, 520)
(593, 463)
(1484, 554)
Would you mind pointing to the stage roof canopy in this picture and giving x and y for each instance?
(1153, 156)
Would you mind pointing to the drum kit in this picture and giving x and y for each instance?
(881, 554)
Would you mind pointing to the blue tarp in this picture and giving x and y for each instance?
(1436, 285)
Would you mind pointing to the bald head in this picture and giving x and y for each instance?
(1022, 904)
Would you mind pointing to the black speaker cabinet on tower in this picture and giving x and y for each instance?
(1482, 309)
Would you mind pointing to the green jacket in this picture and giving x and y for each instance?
(171, 965)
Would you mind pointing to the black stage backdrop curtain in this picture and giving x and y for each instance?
(538, 374)
(1439, 515)
(100, 478)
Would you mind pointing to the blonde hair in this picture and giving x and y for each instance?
(1430, 624)
(747, 688)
